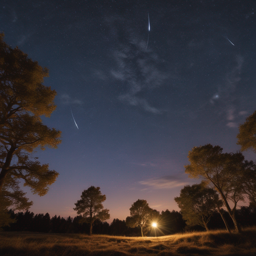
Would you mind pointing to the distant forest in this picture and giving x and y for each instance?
(169, 223)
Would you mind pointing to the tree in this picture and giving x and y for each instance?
(222, 170)
(141, 214)
(23, 99)
(247, 133)
(90, 206)
(248, 180)
(171, 222)
(21, 85)
(11, 196)
(118, 227)
(197, 204)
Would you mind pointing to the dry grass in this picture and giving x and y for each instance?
(200, 243)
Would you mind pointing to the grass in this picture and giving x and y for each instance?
(198, 243)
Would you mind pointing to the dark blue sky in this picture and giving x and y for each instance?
(139, 108)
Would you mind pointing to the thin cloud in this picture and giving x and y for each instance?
(22, 40)
(14, 16)
(232, 80)
(67, 100)
(230, 113)
(167, 182)
(135, 101)
(138, 68)
(232, 124)
(100, 74)
(226, 94)
(242, 113)
(146, 164)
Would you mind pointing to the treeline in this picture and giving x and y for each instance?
(169, 222)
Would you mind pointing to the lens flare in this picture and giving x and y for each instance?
(154, 224)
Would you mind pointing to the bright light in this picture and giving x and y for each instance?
(154, 224)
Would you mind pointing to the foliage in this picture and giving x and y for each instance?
(248, 179)
(141, 214)
(171, 222)
(21, 85)
(222, 170)
(197, 204)
(90, 206)
(12, 196)
(118, 227)
(23, 99)
(247, 133)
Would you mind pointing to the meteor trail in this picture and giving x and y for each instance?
(148, 23)
(74, 120)
(148, 30)
(230, 41)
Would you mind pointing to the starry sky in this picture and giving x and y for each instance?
(131, 102)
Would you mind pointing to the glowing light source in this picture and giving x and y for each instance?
(154, 224)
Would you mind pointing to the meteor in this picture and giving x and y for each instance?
(148, 23)
(74, 120)
(148, 30)
(230, 41)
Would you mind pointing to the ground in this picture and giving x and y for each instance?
(200, 243)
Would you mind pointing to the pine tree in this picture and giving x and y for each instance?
(23, 100)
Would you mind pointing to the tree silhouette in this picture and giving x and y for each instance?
(248, 180)
(171, 222)
(141, 214)
(118, 227)
(223, 170)
(23, 99)
(247, 133)
(90, 206)
(197, 204)
(11, 196)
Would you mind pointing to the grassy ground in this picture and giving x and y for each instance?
(211, 243)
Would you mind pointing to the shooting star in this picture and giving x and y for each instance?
(230, 41)
(74, 119)
(148, 30)
(148, 23)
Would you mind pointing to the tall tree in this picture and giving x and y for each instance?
(247, 133)
(197, 204)
(23, 99)
(223, 170)
(141, 214)
(248, 180)
(90, 206)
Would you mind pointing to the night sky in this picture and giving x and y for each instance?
(131, 102)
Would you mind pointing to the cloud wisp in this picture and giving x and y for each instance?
(166, 182)
(226, 94)
(67, 100)
(138, 68)
(232, 80)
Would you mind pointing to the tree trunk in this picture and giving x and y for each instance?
(224, 220)
(230, 212)
(205, 225)
(141, 230)
(90, 228)
(6, 166)
(237, 226)
(2, 178)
